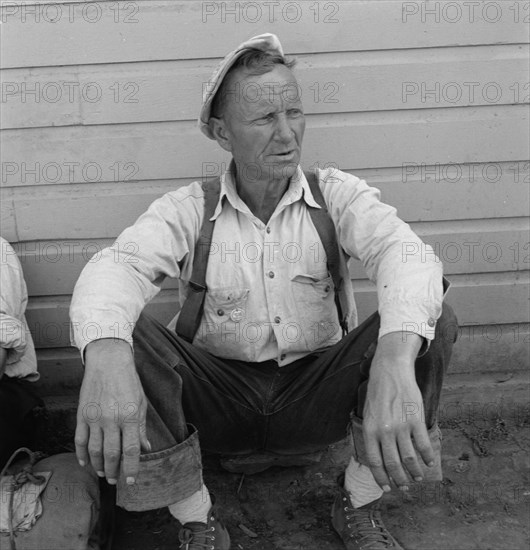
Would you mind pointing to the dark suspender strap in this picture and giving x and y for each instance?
(191, 312)
(192, 309)
(326, 231)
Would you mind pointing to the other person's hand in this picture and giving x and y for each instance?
(388, 426)
(112, 411)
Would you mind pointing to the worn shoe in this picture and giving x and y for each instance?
(205, 536)
(360, 528)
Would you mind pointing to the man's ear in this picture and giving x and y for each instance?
(220, 133)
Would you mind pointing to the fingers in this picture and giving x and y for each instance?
(81, 442)
(375, 460)
(391, 456)
(134, 440)
(106, 446)
(423, 444)
(392, 461)
(112, 453)
(95, 449)
(409, 457)
(131, 452)
(144, 442)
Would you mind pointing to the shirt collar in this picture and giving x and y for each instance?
(298, 189)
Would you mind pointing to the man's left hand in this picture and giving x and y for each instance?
(388, 426)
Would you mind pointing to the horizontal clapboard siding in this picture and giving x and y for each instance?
(80, 154)
(333, 82)
(88, 211)
(98, 120)
(155, 31)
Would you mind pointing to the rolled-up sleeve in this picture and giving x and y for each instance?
(13, 301)
(406, 271)
(115, 285)
(12, 333)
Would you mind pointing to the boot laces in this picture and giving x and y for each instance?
(193, 539)
(367, 526)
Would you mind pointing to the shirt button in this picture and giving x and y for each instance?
(220, 312)
(268, 229)
(271, 274)
(236, 314)
(277, 320)
(282, 356)
(431, 322)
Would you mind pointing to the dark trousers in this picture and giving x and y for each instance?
(239, 407)
(17, 401)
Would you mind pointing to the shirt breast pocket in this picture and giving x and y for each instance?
(225, 311)
(314, 296)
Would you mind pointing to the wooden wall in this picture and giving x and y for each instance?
(428, 101)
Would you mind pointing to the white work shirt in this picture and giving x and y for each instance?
(270, 295)
(14, 332)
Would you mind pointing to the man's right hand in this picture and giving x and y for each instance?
(112, 411)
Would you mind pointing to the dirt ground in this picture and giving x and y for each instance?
(482, 503)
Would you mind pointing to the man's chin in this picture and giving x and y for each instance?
(275, 168)
(285, 170)
(286, 167)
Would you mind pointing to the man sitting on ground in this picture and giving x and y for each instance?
(267, 355)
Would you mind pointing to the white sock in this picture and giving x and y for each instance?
(193, 508)
(360, 484)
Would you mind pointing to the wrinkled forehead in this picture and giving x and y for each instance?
(249, 92)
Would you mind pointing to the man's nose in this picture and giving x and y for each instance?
(284, 130)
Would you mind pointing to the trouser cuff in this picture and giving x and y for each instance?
(432, 473)
(165, 477)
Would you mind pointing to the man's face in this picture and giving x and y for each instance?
(265, 123)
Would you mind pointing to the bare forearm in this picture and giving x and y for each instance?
(105, 352)
(398, 350)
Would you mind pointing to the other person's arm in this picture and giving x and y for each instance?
(13, 300)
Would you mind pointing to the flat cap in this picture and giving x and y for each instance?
(265, 42)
